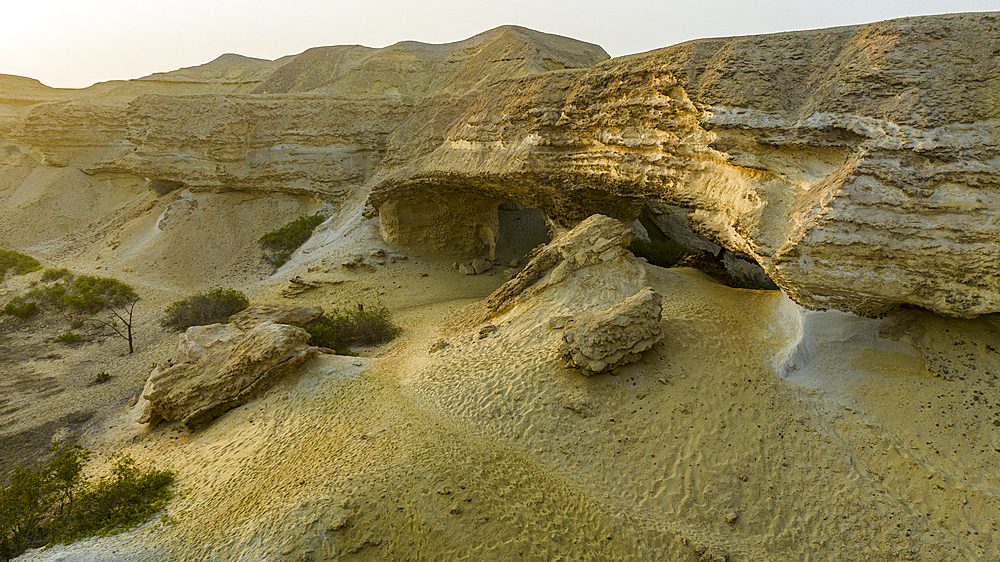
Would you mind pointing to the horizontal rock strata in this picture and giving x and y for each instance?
(857, 165)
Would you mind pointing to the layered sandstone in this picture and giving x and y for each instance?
(315, 123)
(857, 165)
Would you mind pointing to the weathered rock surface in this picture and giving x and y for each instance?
(317, 123)
(595, 240)
(219, 367)
(858, 165)
(596, 341)
(277, 313)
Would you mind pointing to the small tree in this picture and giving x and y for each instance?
(94, 294)
(122, 314)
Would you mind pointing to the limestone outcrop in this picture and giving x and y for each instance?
(597, 341)
(858, 165)
(596, 240)
(277, 313)
(317, 123)
(221, 366)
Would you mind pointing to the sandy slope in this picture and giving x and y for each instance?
(752, 431)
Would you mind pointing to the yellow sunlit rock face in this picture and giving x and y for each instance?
(557, 391)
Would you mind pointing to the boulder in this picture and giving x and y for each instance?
(598, 239)
(596, 341)
(277, 313)
(220, 367)
(478, 266)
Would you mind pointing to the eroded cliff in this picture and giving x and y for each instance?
(857, 165)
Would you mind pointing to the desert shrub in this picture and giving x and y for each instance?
(54, 503)
(51, 296)
(17, 263)
(20, 308)
(22, 505)
(664, 253)
(325, 331)
(359, 327)
(129, 497)
(210, 307)
(280, 244)
(369, 326)
(101, 378)
(70, 337)
(55, 274)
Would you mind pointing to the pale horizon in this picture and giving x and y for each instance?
(74, 45)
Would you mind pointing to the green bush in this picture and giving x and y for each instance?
(327, 332)
(51, 296)
(22, 504)
(114, 504)
(85, 293)
(93, 294)
(54, 503)
(280, 244)
(70, 337)
(16, 262)
(213, 306)
(20, 308)
(359, 327)
(55, 274)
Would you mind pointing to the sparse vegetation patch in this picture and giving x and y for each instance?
(61, 291)
(17, 263)
(280, 244)
(20, 308)
(210, 307)
(358, 327)
(55, 274)
(93, 294)
(71, 337)
(53, 503)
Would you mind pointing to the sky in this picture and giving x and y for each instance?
(75, 43)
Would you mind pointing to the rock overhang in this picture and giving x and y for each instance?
(857, 184)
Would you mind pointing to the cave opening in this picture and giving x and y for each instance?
(164, 186)
(521, 229)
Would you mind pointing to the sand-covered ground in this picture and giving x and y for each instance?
(753, 431)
